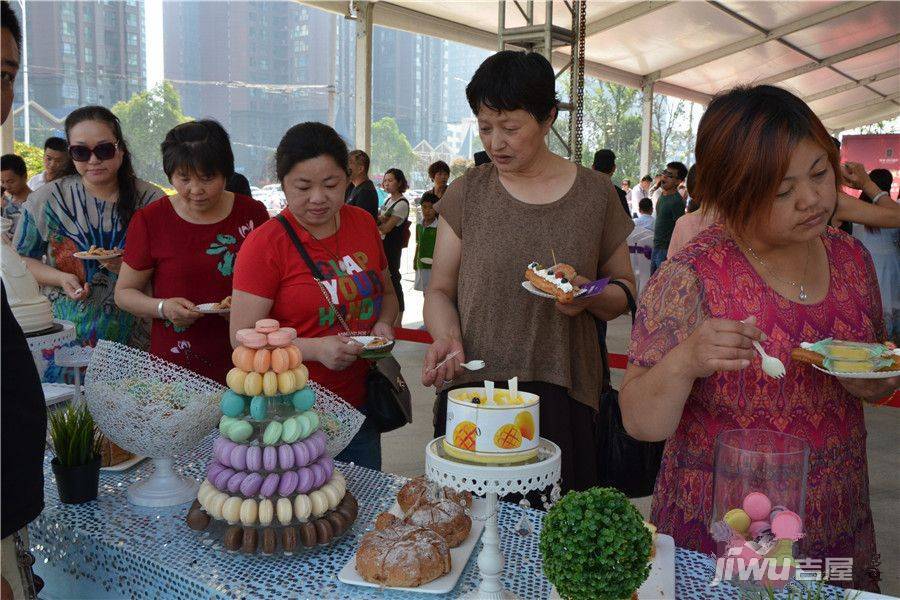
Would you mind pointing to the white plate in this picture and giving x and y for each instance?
(122, 466)
(366, 339)
(533, 290)
(427, 261)
(209, 308)
(459, 558)
(871, 375)
(85, 256)
(660, 584)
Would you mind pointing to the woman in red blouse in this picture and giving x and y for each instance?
(184, 247)
(272, 280)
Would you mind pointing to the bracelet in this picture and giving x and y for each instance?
(878, 196)
(159, 309)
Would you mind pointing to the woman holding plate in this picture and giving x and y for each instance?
(344, 287)
(69, 216)
(184, 247)
(526, 205)
(769, 271)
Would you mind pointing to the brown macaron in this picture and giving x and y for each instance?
(338, 522)
(269, 541)
(308, 534)
(197, 519)
(289, 539)
(234, 537)
(251, 539)
(324, 533)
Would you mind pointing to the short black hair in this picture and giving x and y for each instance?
(361, 156)
(679, 168)
(436, 167)
(647, 178)
(201, 147)
(10, 21)
(605, 161)
(481, 157)
(400, 177)
(307, 141)
(511, 80)
(426, 200)
(238, 184)
(14, 163)
(56, 143)
(645, 205)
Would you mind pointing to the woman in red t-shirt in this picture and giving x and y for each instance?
(184, 247)
(272, 280)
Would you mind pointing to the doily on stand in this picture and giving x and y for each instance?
(492, 482)
(50, 341)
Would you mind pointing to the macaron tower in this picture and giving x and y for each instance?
(271, 486)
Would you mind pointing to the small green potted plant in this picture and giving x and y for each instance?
(594, 545)
(76, 445)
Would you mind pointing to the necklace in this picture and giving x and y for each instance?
(802, 295)
(337, 241)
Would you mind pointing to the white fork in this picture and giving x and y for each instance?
(771, 366)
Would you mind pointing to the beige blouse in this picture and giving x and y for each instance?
(513, 331)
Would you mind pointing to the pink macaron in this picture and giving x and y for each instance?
(279, 338)
(285, 457)
(787, 525)
(266, 326)
(305, 480)
(222, 478)
(269, 485)
(251, 484)
(288, 483)
(757, 506)
(270, 458)
(757, 528)
(318, 474)
(234, 484)
(215, 467)
(250, 338)
(301, 454)
(239, 457)
(254, 458)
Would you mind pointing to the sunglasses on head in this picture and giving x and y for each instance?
(103, 151)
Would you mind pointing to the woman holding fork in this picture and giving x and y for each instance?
(768, 271)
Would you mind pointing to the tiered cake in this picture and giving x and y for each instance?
(270, 481)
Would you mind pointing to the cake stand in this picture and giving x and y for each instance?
(50, 341)
(492, 481)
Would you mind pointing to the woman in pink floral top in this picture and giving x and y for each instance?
(767, 166)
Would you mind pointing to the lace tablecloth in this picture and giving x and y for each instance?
(110, 548)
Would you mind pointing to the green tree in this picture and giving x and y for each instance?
(390, 147)
(146, 119)
(32, 155)
(459, 165)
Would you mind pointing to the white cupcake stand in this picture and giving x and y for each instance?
(493, 481)
(53, 392)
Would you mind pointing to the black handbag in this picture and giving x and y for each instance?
(388, 401)
(624, 463)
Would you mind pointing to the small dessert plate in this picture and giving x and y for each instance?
(209, 308)
(533, 290)
(869, 375)
(107, 255)
(427, 261)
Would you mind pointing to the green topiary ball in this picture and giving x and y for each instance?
(594, 545)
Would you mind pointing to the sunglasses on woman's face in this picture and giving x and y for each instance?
(103, 151)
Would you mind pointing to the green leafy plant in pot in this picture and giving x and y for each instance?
(76, 445)
(594, 545)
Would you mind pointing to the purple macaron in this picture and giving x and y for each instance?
(225, 449)
(234, 484)
(222, 478)
(305, 480)
(269, 485)
(239, 457)
(270, 458)
(254, 458)
(327, 463)
(301, 454)
(321, 441)
(285, 457)
(215, 467)
(250, 485)
(319, 474)
(288, 483)
(217, 445)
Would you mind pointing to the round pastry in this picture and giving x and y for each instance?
(338, 522)
(197, 519)
(251, 536)
(238, 457)
(216, 502)
(266, 512)
(215, 467)
(284, 510)
(303, 425)
(385, 520)
(288, 483)
(301, 453)
(291, 333)
(231, 510)
(318, 474)
(269, 541)
(324, 532)
(308, 534)
(302, 375)
(272, 434)
(294, 352)
(290, 540)
(270, 383)
(205, 488)
(319, 503)
(262, 360)
(266, 326)
(251, 484)
(286, 457)
(231, 404)
(286, 382)
(327, 463)
(234, 537)
(305, 480)
(253, 384)
(221, 481)
(250, 338)
(269, 485)
(290, 431)
(235, 380)
(350, 505)
(331, 493)
(259, 408)
(254, 458)
(248, 512)
(420, 488)
(402, 556)
(303, 399)
(240, 431)
(302, 507)
(445, 517)
(242, 358)
(234, 483)
(281, 358)
(270, 458)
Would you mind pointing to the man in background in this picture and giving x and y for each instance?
(669, 207)
(639, 192)
(645, 214)
(605, 162)
(56, 162)
(361, 191)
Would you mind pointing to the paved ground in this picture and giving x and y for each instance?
(404, 454)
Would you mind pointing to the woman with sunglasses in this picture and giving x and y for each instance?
(184, 247)
(91, 208)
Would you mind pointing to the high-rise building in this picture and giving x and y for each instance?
(462, 62)
(259, 68)
(84, 52)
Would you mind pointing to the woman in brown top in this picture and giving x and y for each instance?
(494, 221)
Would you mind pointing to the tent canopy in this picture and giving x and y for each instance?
(843, 58)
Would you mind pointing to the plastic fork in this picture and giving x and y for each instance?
(771, 366)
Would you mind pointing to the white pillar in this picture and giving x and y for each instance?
(8, 135)
(363, 82)
(25, 87)
(646, 123)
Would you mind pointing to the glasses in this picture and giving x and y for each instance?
(103, 151)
